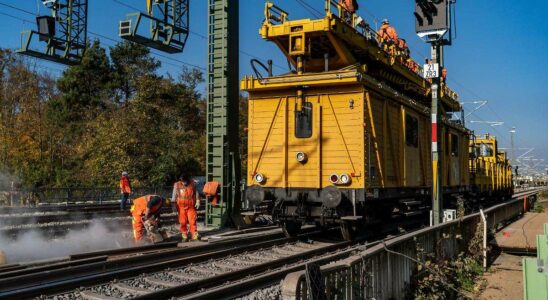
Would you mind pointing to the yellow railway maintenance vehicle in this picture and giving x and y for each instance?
(345, 138)
(490, 170)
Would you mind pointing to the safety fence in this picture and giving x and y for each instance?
(41, 196)
(386, 270)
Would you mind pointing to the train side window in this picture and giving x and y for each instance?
(303, 121)
(454, 145)
(486, 150)
(411, 131)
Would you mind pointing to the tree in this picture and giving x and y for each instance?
(85, 88)
(72, 130)
(130, 61)
(24, 129)
(155, 136)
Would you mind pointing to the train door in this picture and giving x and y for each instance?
(454, 159)
(412, 153)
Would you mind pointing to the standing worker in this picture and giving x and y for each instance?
(145, 213)
(188, 201)
(125, 189)
(387, 33)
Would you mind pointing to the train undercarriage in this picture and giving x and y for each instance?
(356, 210)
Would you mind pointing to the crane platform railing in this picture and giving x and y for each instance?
(353, 40)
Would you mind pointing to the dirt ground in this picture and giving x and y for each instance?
(504, 279)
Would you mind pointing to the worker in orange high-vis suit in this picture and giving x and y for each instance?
(387, 33)
(145, 213)
(125, 189)
(188, 201)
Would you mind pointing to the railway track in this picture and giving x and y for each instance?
(101, 267)
(232, 267)
(248, 261)
(57, 223)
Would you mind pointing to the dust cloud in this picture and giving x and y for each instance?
(32, 245)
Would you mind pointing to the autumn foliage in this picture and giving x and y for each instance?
(113, 112)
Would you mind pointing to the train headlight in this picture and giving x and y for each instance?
(334, 178)
(301, 157)
(345, 179)
(259, 178)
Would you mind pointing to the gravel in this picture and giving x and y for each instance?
(273, 292)
(240, 261)
(110, 291)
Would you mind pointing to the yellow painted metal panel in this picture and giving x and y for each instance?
(332, 148)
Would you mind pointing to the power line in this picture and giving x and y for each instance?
(202, 36)
(12, 16)
(310, 8)
(151, 51)
(100, 35)
(16, 8)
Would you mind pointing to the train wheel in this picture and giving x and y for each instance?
(348, 230)
(291, 228)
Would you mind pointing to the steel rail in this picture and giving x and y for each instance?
(192, 287)
(246, 286)
(51, 281)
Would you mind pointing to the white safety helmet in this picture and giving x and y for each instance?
(125, 173)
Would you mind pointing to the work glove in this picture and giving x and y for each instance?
(197, 205)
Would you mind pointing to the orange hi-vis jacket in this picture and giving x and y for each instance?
(143, 207)
(185, 193)
(125, 185)
(387, 32)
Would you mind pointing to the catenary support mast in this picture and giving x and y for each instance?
(223, 157)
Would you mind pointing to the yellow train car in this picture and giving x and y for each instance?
(491, 173)
(346, 136)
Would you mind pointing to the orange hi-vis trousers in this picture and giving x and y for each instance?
(137, 211)
(187, 216)
(138, 227)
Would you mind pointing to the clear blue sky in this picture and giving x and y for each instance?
(500, 54)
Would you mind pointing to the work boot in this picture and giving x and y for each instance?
(196, 237)
(184, 237)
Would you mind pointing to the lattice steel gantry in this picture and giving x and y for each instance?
(223, 157)
(168, 25)
(61, 37)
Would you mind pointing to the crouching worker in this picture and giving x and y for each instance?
(146, 218)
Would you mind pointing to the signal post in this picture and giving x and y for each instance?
(433, 25)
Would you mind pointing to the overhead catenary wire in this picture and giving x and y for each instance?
(310, 8)
(200, 35)
(103, 36)
(303, 3)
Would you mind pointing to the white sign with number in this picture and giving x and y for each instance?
(431, 71)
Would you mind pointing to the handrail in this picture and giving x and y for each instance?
(364, 275)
